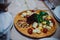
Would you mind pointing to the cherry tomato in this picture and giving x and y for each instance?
(30, 30)
(33, 10)
(45, 30)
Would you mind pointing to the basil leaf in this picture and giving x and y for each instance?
(47, 22)
(43, 13)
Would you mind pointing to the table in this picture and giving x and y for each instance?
(19, 5)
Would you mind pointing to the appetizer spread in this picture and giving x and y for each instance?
(35, 23)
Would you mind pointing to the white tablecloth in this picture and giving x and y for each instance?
(19, 5)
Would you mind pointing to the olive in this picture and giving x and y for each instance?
(33, 10)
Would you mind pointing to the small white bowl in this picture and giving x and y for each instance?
(57, 13)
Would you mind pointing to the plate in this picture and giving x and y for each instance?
(57, 13)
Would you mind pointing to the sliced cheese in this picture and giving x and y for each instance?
(23, 14)
(44, 17)
(40, 24)
(48, 27)
(49, 21)
(36, 30)
(40, 27)
(44, 26)
(51, 24)
(44, 22)
(35, 24)
(49, 17)
(29, 13)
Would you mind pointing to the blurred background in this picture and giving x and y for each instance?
(9, 9)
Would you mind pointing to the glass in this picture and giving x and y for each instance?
(4, 4)
(4, 33)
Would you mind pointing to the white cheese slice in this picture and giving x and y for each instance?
(35, 24)
(51, 24)
(40, 28)
(40, 24)
(44, 17)
(23, 14)
(49, 17)
(29, 13)
(36, 30)
(44, 26)
(44, 22)
(48, 27)
(49, 21)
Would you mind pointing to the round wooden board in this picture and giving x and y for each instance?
(24, 30)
